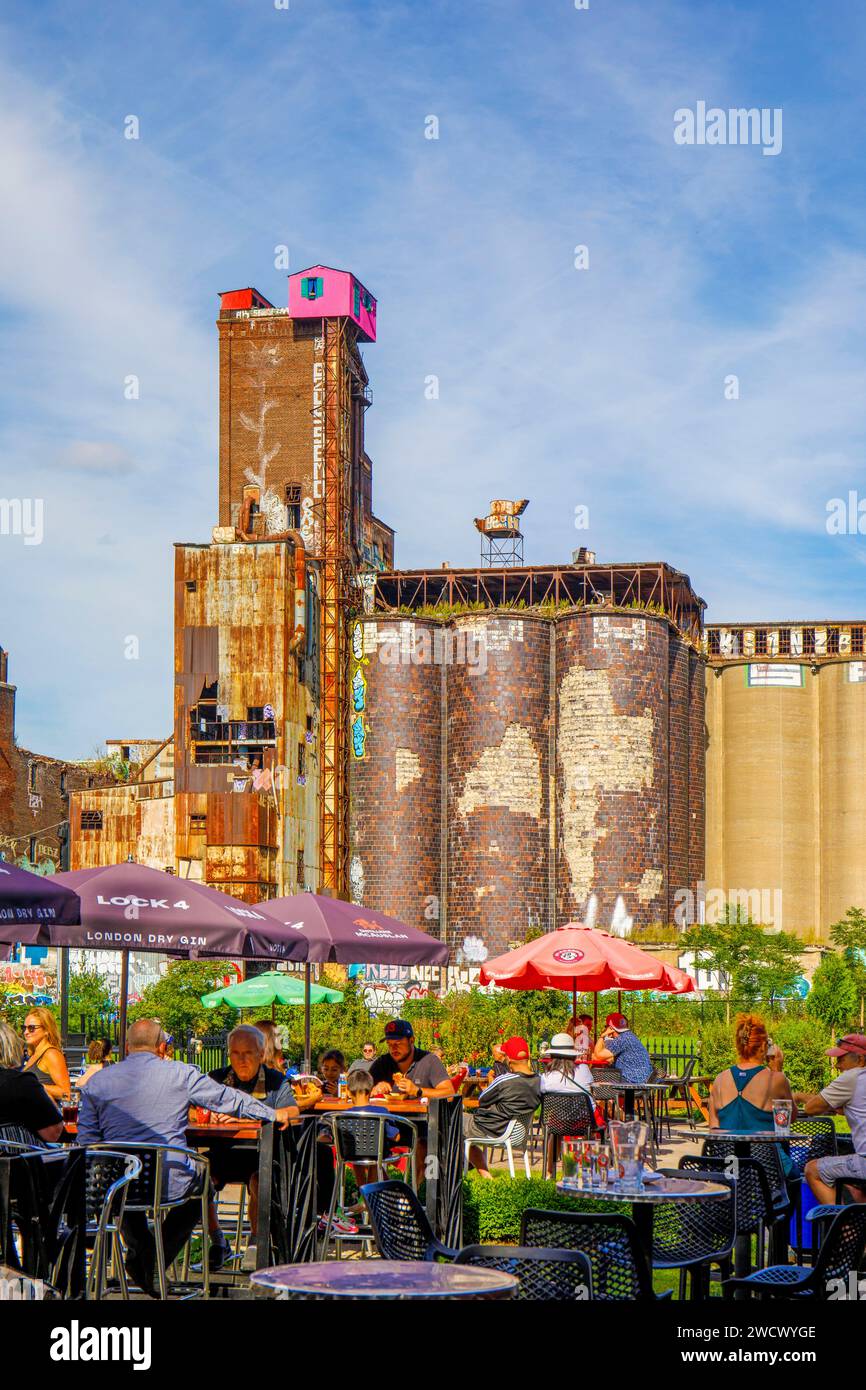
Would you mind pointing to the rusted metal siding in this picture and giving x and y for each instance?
(234, 614)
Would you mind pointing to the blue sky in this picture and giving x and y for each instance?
(601, 387)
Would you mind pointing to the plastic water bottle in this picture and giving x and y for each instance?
(341, 1086)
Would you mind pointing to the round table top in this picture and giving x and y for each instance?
(387, 1279)
(654, 1190)
(755, 1136)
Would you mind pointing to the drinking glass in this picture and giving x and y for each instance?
(603, 1165)
(782, 1116)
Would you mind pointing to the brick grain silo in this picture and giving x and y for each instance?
(395, 822)
(498, 724)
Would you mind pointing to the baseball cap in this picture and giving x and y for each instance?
(852, 1042)
(517, 1049)
(398, 1028)
(619, 1022)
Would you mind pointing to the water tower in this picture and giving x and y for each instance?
(501, 536)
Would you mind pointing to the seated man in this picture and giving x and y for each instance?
(619, 1047)
(513, 1096)
(231, 1163)
(408, 1068)
(845, 1093)
(145, 1099)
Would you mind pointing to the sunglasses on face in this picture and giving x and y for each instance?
(32, 1027)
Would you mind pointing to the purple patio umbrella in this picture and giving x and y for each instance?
(130, 907)
(29, 903)
(309, 928)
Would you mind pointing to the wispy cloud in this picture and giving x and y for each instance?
(603, 386)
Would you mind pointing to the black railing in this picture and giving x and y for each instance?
(234, 731)
(206, 1052)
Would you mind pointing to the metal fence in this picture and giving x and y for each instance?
(206, 1052)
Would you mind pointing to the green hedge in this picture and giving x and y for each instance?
(492, 1207)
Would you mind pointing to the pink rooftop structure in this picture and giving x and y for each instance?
(320, 292)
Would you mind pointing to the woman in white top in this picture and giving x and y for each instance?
(565, 1072)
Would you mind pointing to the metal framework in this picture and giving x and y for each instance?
(652, 586)
(333, 514)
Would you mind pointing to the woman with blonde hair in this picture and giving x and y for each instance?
(741, 1097)
(27, 1116)
(47, 1062)
(273, 1044)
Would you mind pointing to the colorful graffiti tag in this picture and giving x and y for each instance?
(358, 692)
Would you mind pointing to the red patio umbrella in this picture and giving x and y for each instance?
(576, 957)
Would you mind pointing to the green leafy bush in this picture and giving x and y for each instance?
(834, 997)
(492, 1208)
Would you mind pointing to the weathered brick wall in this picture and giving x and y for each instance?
(396, 789)
(266, 399)
(33, 803)
(612, 763)
(498, 779)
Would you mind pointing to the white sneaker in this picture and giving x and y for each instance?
(250, 1259)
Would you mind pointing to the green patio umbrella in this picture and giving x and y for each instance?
(274, 987)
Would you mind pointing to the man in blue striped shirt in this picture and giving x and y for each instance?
(145, 1099)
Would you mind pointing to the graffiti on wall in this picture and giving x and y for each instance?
(387, 987)
(22, 983)
(358, 692)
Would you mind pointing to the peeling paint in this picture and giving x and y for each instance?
(506, 775)
(599, 751)
(407, 768)
(650, 885)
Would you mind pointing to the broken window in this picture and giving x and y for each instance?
(31, 777)
(833, 641)
(714, 643)
(761, 642)
(293, 505)
(857, 641)
(299, 870)
(784, 641)
(809, 641)
(91, 820)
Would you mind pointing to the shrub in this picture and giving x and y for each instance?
(834, 997)
(492, 1208)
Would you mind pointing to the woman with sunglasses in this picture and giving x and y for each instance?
(47, 1063)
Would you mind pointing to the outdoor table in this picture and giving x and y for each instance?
(624, 1089)
(385, 1279)
(650, 1195)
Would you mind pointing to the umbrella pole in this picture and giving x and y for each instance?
(574, 998)
(307, 1049)
(124, 1001)
(595, 1015)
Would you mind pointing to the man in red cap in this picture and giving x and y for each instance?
(619, 1047)
(513, 1096)
(846, 1093)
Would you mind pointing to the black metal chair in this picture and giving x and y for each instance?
(620, 1270)
(400, 1225)
(812, 1136)
(754, 1203)
(544, 1275)
(146, 1195)
(840, 1256)
(364, 1139)
(781, 1196)
(564, 1115)
(108, 1179)
(694, 1236)
(678, 1089)
(42, 1217)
